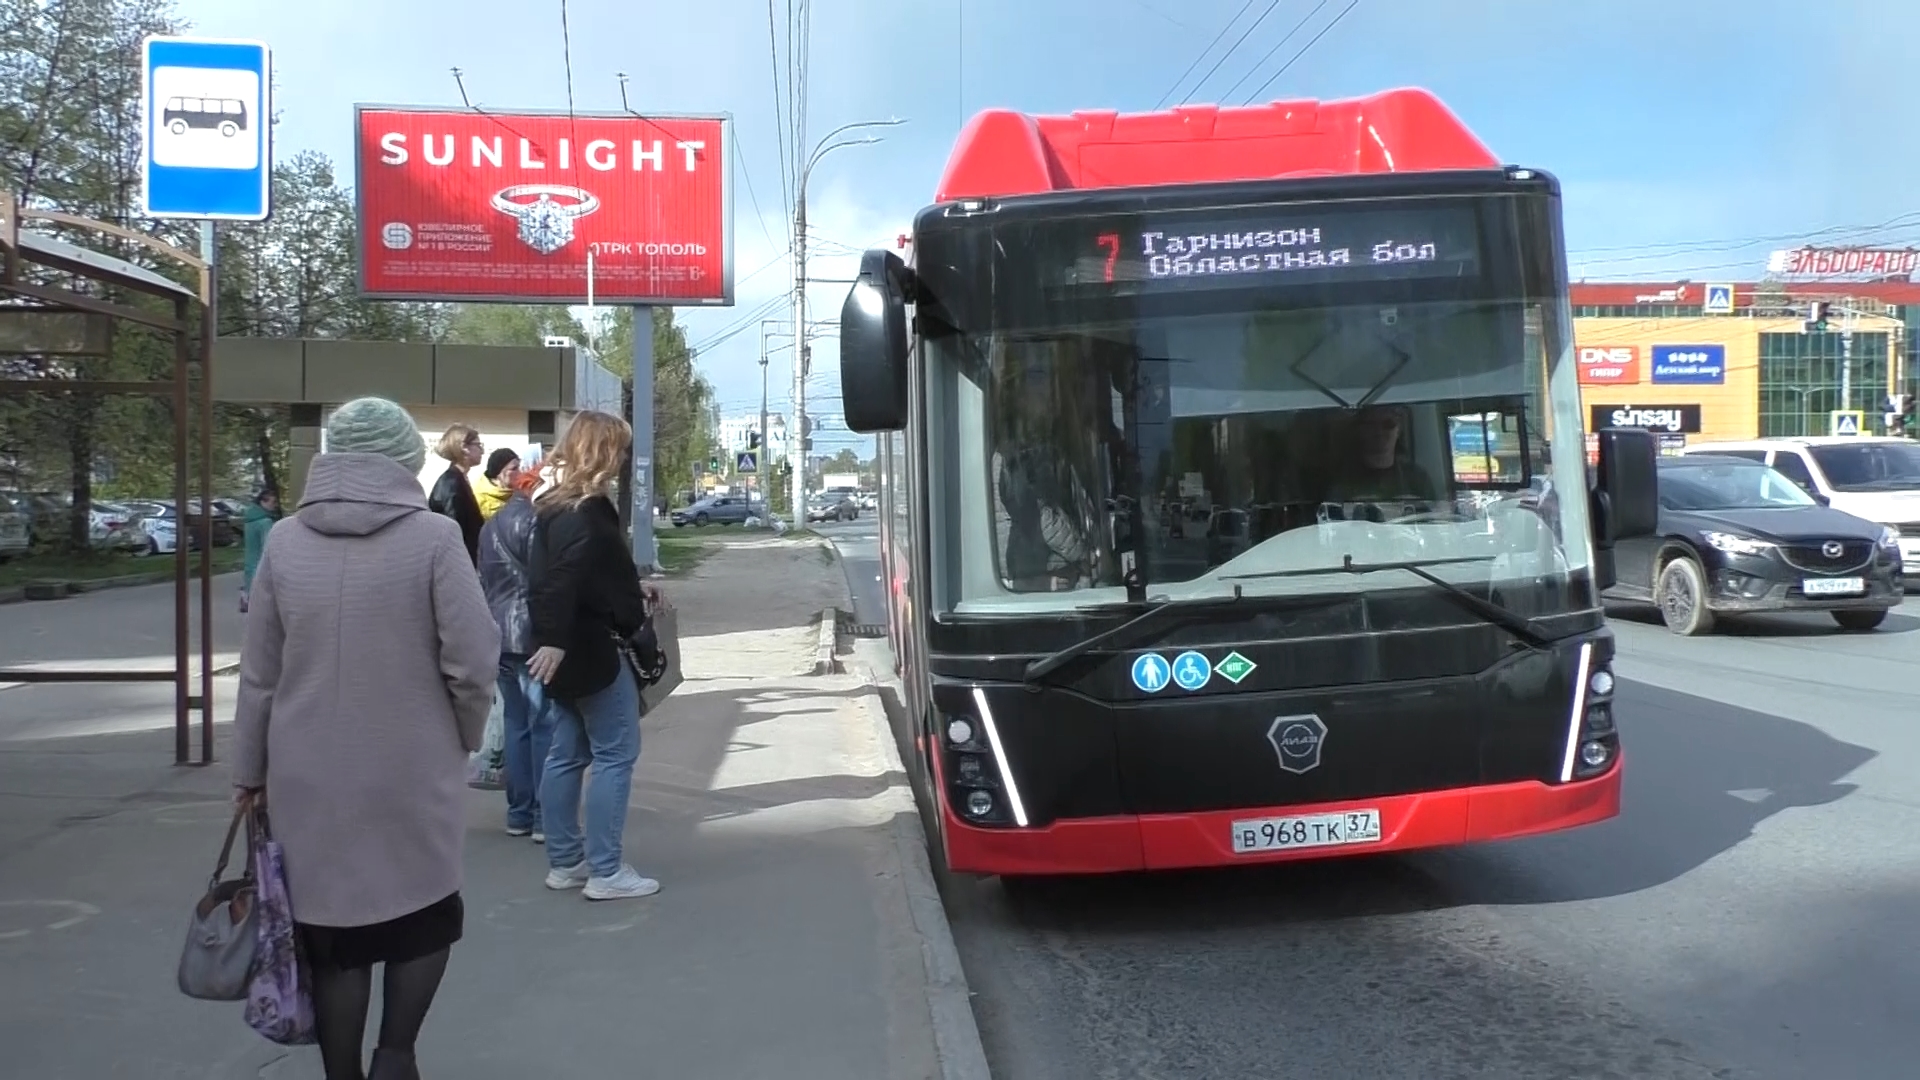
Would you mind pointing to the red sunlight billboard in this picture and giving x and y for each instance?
(460, 204)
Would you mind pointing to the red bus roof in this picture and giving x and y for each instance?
(1002, 152)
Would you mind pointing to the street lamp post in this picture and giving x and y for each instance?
(802, 353)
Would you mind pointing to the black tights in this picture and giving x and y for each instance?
(342, 996)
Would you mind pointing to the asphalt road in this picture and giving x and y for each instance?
(858, 542)
(1749, 915)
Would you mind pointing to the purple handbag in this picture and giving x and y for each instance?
(280, 997)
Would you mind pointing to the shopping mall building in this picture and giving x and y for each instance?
(1732, 360)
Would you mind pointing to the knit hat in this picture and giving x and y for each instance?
(498, 460)
(373, 425)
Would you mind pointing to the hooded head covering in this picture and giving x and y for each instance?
(373, 425)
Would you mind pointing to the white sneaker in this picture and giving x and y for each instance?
(518, 830)
(625, 885)
(571, 878)
(539, 837)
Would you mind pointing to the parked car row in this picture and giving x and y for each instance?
(138, 526)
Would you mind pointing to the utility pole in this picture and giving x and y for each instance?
(802, 352)
(797, 434)
(762, 464)
(1847, 319)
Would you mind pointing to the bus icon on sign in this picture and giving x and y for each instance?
(228, 116)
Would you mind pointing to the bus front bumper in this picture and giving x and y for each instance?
(1182, 841)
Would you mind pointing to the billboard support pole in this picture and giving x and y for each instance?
(642, 421)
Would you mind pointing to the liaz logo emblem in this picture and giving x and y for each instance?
(1297, 741)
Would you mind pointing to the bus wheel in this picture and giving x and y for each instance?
(229, 129)
(178, 127)
(1682, 596)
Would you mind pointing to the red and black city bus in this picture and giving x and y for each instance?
(1188, 559)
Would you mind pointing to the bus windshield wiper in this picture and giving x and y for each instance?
(1519, 625)
(1052, 662)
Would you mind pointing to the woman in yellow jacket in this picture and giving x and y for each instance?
(493, 493)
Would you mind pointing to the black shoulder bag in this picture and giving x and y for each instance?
(642, 651)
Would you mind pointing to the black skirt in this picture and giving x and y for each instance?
(408, 937)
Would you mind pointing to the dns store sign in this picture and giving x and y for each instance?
(1607, 365)
(456, 204)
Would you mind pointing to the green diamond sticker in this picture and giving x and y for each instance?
(1233, 667)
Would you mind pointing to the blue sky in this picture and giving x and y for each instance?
(1691, 138)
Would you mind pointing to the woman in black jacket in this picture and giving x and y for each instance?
(586, 596)
(452, 494)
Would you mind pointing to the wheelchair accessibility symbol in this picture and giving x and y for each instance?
(1192, 670)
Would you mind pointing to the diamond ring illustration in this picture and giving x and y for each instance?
(546, 225)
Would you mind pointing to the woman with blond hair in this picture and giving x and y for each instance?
(585, 598)
(452, 493)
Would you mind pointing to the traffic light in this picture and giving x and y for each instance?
(753, 440)
(1817, 317)
(1900, 414)
(713, 464)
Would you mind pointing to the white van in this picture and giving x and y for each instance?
(1868, 476)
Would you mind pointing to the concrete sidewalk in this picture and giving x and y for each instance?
(796, 935)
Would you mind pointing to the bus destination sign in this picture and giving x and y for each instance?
(1279, 245)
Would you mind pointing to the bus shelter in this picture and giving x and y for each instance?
(61, 304)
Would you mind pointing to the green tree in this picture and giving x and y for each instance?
(686, 420)
(511, 324)
(70, 140)
(844, 461)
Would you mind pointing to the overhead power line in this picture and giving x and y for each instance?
(1277, 46)
(1351, 4)
(1234, 48)
(780, 128)
(1217, 39)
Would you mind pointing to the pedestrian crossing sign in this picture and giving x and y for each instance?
(746, 462)
(1845, 421)
(1719, 300)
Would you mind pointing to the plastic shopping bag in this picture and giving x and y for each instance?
(484, 765)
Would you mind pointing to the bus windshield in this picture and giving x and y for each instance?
(1201, 438)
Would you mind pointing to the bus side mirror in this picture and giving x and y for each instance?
(1628, 484)
(873, 346)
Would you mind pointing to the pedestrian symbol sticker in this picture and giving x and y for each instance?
(1191, 670)
(1150, 673)
(1234, 667)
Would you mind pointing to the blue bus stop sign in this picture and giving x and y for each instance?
(206, 132)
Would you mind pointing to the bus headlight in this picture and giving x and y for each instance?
(959, 732)
(979, 803)
(1601, 684)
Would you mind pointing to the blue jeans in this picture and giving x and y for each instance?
(602, 730)
(529, 734)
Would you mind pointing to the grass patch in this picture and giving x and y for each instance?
(678, 552)
(93, 566)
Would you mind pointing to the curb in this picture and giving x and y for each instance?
(18, 594)
(826, 660)
(956, 1034)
